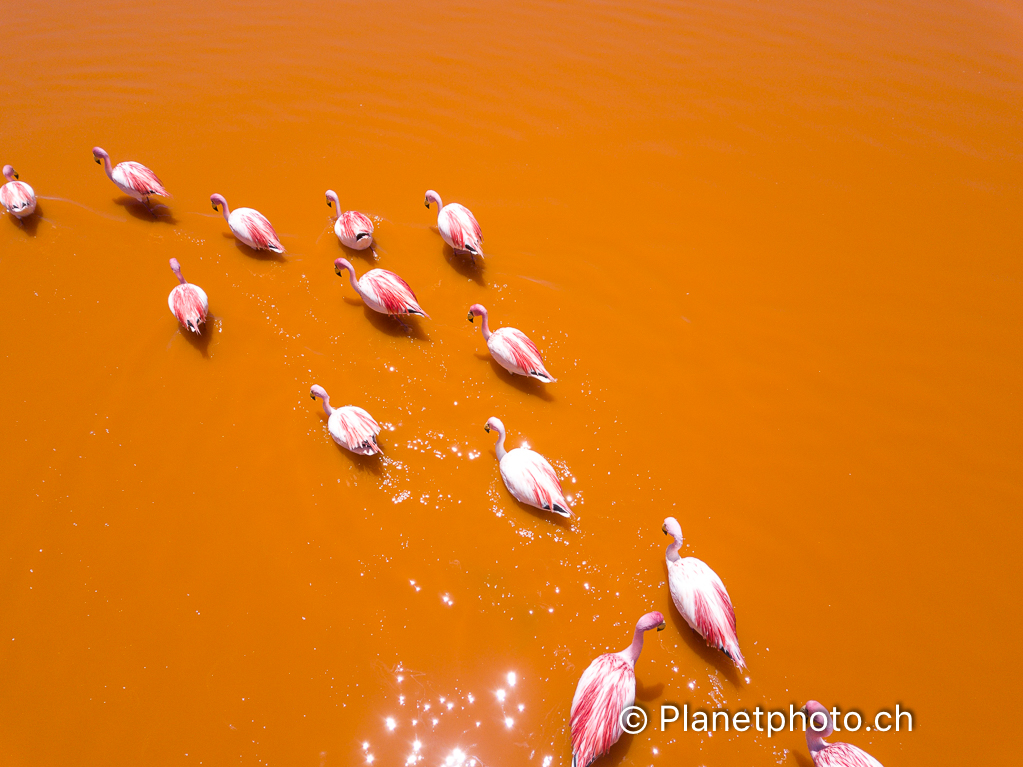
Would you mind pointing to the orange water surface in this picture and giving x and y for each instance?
(771, 251)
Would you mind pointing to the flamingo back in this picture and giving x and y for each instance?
(189, 304)
(355, 429)
(390, 291)
(256, 228)
(462, 228)
(701, 597)
(139, 179)
(18, 197)
(517, 353)
(531, 479)
(844, 755)
(606, 688)
(352, 224)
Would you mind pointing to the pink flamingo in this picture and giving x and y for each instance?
(187, 302)
(512, 349)
(17, 197)
(354, 229)
(700, 596)
(382, 291)
(132, 178)
(457, 226)
(831, 754)
(606, 688)
(351, 427)
(528, 475)
(250, 226)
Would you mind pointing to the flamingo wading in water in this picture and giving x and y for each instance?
(606, 688)
(528, 475)
(382, 291)
(700, 596)
(187, 302)
(512, 349)
(354, 229)
(457, 226)
(819, 727)
(351, 427)
(132, 178)
(249, 226)
(17, 197)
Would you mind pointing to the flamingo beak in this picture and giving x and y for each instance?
(661, 626)
(98, 161)
(487, 428)
(16, 174)
(470, 316)
(312, 396)
(214, 206)
(330, 204)
(664, 529)
(337, 270)
(427, 203)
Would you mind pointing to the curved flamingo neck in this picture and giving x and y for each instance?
(673, 547)
(326, 404)
(226, 211)
(486, 327)
(351, 278)
(107, 168)
(631, 653)
(434, 197)
(501, 452)
(332, 196)
(181, 279)
(815, 741)
(9, 173)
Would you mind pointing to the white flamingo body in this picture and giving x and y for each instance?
(254, 229)
(382, 291)
(820, 726)
(512, 349)
(701, 598)
(458, 226)
(354, 229)
(351, 427)
(132, 178)
(187, 302)
(17, 197)
(529, 476)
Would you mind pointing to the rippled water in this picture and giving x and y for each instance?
(770, 251)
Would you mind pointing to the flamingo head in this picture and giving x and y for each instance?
(671, 527)
(317, 391)
(217, 199)
(649, 621)
(342, 263)
(175, 266)
(817, 716)
(432, 196)
(476, 310)
(100, 154)
(9, 173)
(495, 424)
(332, 199)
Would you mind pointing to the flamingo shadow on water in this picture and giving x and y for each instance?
(199, 341)
(258, 255)
(390, 324)
(565, 523)
(710, 655)
(464, 263)
(801, 759)
(366, 464)
(524, 384)
(154, 212)
(30, 224)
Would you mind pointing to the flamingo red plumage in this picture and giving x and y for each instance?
(354, 229)
(512, 349)
(132, 178)
(382, 291)
(351, 427)
(606, 688)
(528, 475)
(187, 302)
(457, 226)
(819, 726)
(17, 197)
(700, 596)
(250, 226)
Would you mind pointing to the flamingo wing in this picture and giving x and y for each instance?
(606, 688)
(355, 429)
(701, 597)
(390, 291)
(844, 755)
(464, 230)
(139, 178)
(15, 196)
(258, 229)
(531, 479)
(514, 346)
(355, 225)
(189, 304)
